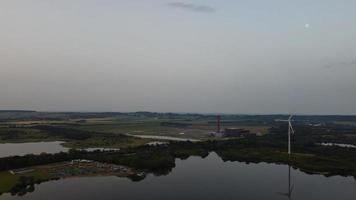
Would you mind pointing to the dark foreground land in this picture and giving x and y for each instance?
(308, 153)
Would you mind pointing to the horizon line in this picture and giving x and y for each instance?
(200, 113)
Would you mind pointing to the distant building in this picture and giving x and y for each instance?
(236, 132)
(21, 171)
(157, 143)
(81, 161)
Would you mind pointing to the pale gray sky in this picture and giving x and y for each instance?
(230, 56)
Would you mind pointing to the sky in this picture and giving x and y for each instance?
(196, 56)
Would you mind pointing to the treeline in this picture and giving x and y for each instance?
(309, 135)
(16, 162)
(150, 158)
(68, 133)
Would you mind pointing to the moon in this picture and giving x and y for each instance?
(307, 25)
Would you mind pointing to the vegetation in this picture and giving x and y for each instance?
(20, 184)
(74, 127)
(160, 160)
(74, 138)
(108, 130)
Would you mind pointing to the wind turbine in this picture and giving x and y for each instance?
(290, 131)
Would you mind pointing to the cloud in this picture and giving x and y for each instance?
(192, 7)
(347, 64)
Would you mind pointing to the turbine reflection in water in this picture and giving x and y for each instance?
(290, 186)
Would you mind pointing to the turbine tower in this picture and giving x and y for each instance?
(290, 131)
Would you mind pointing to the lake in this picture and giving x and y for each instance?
(20, 149)
(198, 178)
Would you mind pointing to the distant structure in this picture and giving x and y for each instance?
(230, 132)
(236, 132)
(21, 171)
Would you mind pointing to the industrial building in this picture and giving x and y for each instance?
(230, 132)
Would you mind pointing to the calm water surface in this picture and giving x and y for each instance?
(197, 178)
(20, 149)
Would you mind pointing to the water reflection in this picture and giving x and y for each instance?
(196, 178)
(290, 185)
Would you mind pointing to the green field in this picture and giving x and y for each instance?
(102, 128)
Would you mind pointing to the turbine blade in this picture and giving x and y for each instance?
(281, 120)
(290, 117)
(291, 127)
